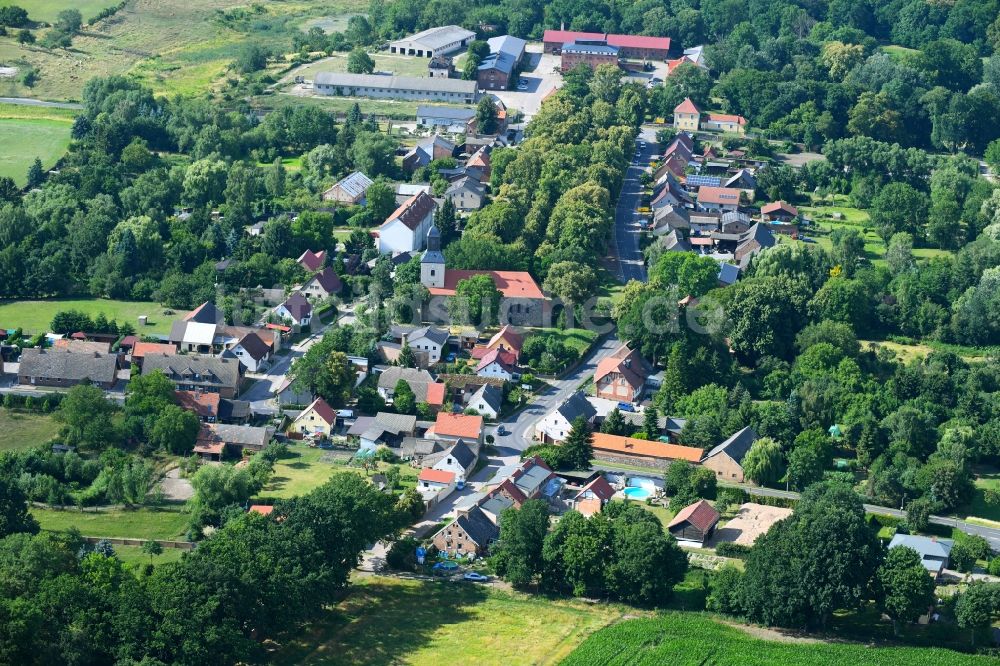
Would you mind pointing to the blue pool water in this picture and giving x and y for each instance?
(636, 493)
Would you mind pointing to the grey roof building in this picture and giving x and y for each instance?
(444, 116)
(478, 527)
(488, 395)
(577, 405)
(62, 367)
(736, 446)
(391, 376)
(934, 553)
(436, 41)
(192, 372)
(397, 87)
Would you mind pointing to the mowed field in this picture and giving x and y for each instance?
(174, 46)
(396, 621)
(677, 638)
(47, 10)
(141, 523)
(25, 430)
(30, 132)
(36, 316)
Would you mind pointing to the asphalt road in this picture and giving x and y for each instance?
(25, 101)
(625, 243)
(521, 425)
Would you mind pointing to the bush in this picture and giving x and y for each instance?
(994, 567)
(728, 549)
(402, 555)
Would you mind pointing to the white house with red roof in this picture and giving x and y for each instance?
(406, 229)
(724, 122)
(318, 419)
(593, 496)
(465, 427)
(687, 116)
(779, 211)
(498, 364)
(435, 484)
(719, 198)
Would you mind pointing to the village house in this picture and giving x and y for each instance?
(383, 429)
(466, 193)
(193, 337)
(726, 459)
(406, 229)
(296, 309)
(555, 426)
(687, 116)
(428, 342)
(479, 164)
(312, 261)
(622, 375)
(63, 368)
(506, 339)
(718, 199)
(417, 378)
(324, 284)
(641, 452)
(498, 364)
(440, 67)
(214, 439)
(192, 372)
(593, 496)
(694, 524)
(487, 401)
(290, 392)
(140, 349)
(434, 485)
(496, 70)
(458, 426)
(350, 189)
(318, 420)
(722, 122)
(934, 552)
(757, 238)
(459, 459)
(252, 352)
(449, 118)
(213, 408)
(470, 533)
(434, 147)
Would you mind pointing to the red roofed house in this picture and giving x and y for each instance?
(621, 376)
(718, 198)
(262, 509)
(498, 364)
(779, 211)
(506, 338)
(312, 261)
(205, 405)
(457, 426)
(694, 523)
(434, 485)
(672, 65)
(406, 229)
(593, 496)
(641, 452)
(687, 116)
(318, 419)
(523, 302)
(721, 122)
(142, 348)
(324, 284)
(629, 46)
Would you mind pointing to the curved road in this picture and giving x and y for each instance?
(625, 240)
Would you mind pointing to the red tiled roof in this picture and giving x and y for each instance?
(687, 106)
(648, 448)
(202, 404)
(312, 261)
(726, 118)
(413, 210)
(323, 410)
(567, 36)
(436, 475)
(506, 359)
(215, 449)
(458, 425)
(779, 205)
(719, 195)
(262, 509)
(626, 362)
(435, 394)
(639, 42)
(512, 284)
(701, 515)
(599, 487)
(142, 348)
(278, 327)
(507, 335)
(701, 240)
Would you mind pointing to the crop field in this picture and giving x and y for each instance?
(397, 621)
(36, 316)
(47, 10)
(695, 639)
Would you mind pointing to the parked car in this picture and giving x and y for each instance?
(626, 406)
(476, 577)
(501, 431)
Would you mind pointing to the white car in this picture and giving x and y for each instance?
(476, 577)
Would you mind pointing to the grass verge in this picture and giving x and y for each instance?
(25, 430)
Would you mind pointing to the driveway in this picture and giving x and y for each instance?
(625, 246)
(541, 77)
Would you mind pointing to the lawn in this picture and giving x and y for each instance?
(23, 139)
(36, 316)
(677, 638)
(578, 339)
(140, 523)
(134, 557)
(384, 63)
(306, 468)
(47, 10)
(388, 620)
(978, 508)
(25, 430)
(908, 352)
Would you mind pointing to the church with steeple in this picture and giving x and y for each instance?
(523, 302)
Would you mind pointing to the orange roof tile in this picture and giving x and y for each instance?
(727, 118)
(262, 509)
(436, 475)
(642, 447)
(512, 284)
(202, 404)
(687, 106)
(458, 425)
(435, 394)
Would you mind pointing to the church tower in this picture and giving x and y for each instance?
(432, 264)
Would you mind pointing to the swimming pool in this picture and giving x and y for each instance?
(636, 493)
